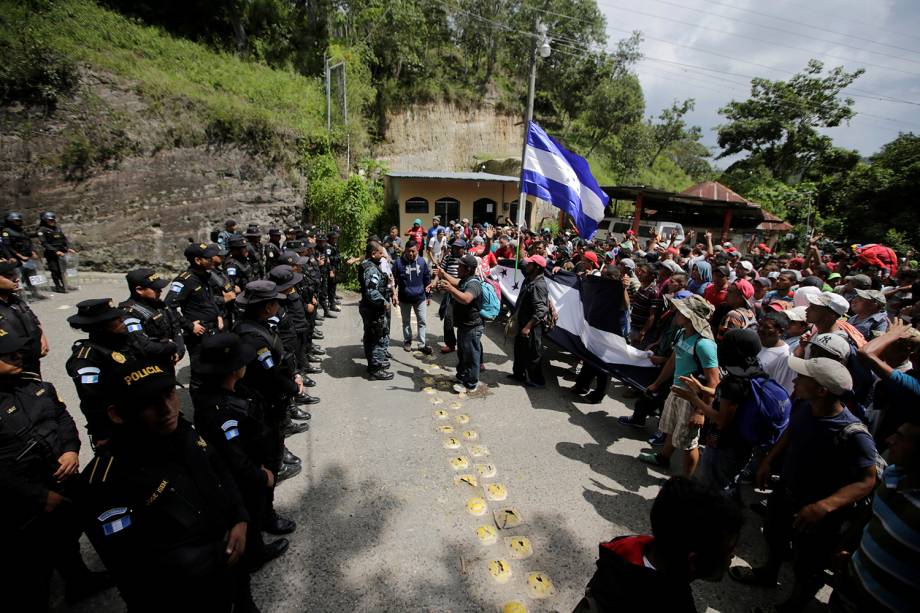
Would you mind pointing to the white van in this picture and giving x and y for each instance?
(616, 227)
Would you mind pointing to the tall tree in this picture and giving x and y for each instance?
(778, 125)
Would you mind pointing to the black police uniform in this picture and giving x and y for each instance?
(374, 310)
(19, 243)
(92, 360)
(221, 284)
(254, 257)
(154, 328)
(157, 509)
(35, 431)
(323, 285)
(272, 255)
(238, 272)
(331, 253)
(17, 318)
(234, 426)
(52, 240)
(191, 298)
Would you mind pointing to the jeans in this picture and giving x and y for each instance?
(469, 354)
(528, 356)
(720, 466)
(446, 312)
(421, 315)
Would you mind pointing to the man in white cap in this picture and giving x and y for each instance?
(828, 464)
(695, 354)
(869, 317)
(797, 326)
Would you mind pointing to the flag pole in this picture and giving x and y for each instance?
(541, 44)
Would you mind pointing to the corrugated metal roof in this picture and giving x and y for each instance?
(449, 176)
(714, 190)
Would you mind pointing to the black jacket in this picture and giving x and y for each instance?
(190, 296)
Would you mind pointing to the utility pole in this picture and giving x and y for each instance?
(328, 67)
(541, 46)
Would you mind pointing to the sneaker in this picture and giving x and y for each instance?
(657, 439)
(380, 375)
(446, 349)
(655, 459)
(628, 421)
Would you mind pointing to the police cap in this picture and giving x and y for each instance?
(201, 250)
(145, 277)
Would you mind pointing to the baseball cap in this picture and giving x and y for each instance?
(746, 265)
(829, 300)
(832, 343)
(828, 373)
(417, 222)
(201, 250)
(140, 379)
(859, 281)
(237, 241)
(224, 353)
(469, 261)
(795, 313)
(145, 277)
(628, 263)
(591, 257)
(459, 243)
(872, 294)
(745, 288)
(539, 260)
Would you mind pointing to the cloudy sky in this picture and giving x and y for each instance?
(709, 49)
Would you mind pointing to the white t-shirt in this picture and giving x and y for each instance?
(436, 246)
(775, 362)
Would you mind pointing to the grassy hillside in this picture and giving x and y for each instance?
(230, 100)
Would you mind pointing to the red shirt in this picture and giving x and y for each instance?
(418, 235)
(715, 295)
(505, 253)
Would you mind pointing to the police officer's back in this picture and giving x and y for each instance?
(160, 506)
(374, 308)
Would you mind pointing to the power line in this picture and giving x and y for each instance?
(842, 18)
(750, 38)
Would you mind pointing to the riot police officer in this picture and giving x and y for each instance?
(154, 328)
(20, 246)
(39, 459)
(55, 246)
(16, 316)
(158, 505)
(234, 425)
(92, 358)
(375, 311)
(191, 297)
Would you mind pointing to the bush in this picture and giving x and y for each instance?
(34, 74)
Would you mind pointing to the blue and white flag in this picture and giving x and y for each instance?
(563, 179)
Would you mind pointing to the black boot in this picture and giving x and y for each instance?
(271, 551)
(291, 428)
(310, 370)
(278, 525)
(380, 375)
(318, 336)
(314, 358)
(307, 381)
(290, 458)
(287, 471)
(295, 412)
(305, 398)
(316, 349)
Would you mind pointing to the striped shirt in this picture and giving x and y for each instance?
(887, 564)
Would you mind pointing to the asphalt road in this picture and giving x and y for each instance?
(382, 526)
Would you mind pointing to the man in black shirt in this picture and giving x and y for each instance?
(532, 309)
(55, 246)
(466, 294)
(153, 327)
(16, 316)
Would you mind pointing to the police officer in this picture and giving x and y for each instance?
(273, 249)
(296, 337)
(324, 254)
(160, 508)
(254, 252)
(192, 298)
(224, 235)
(335, 259)
(18, 243)
(55, 246)
(154, 328)
(224, 291)
(375, 311)
(271, 374)
(39, 458)
(311, 265)
(16, 316)
(237, 268)
(108, 346)
(310, 303)
(235, 427)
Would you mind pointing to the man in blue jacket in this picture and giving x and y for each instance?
(413, 281)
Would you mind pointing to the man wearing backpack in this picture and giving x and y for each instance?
(829, 464)
(532, 310)
(466, 295)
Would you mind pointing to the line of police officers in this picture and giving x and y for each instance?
(16, 246)
(177, 513)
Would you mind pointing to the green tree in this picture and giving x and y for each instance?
(778, 125)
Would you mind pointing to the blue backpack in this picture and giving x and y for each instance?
(489, 304)
(765, 414)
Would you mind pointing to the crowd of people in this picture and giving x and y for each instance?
(795, 372)
(177, 512)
